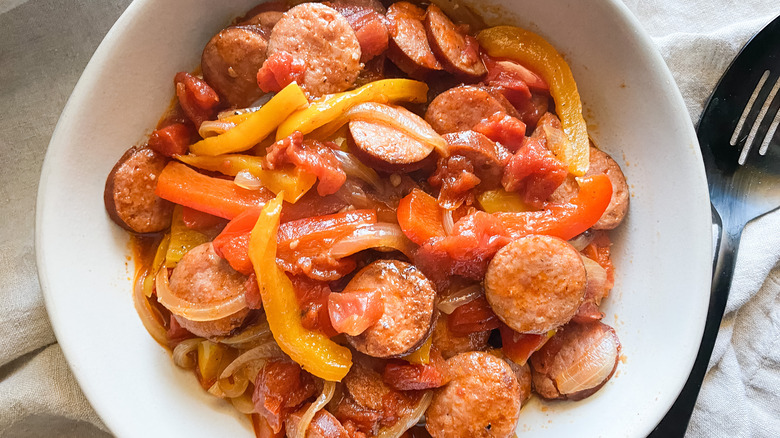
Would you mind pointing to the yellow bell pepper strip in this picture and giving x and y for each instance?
(535, 53)
(312, 350)
(494, 201)
(421, 356)
(293, 181)
(182, 239)
(157, 263)
(256, 126)
(329, 108)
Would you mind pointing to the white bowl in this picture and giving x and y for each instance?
(634, 110)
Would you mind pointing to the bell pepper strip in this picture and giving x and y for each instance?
(474, 316)
(520, 346)
(200, 221)
(540, 56)
(185, 186)
(293, 181)
(157, 263)
(256, 127)
(232, 244)
(313, 351)
(421, 356)
(329, 108)
(420, 217)
(182, 239)
(495, 201)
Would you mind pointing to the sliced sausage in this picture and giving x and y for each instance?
(230, 62)
(129, 193)
(323, 425)
(265, 20)
(409, 308)
(387, 147)
(536, 283)
(600, 163)
(259, 14)
(457, 52)
(409, 48)
(487, 157)
(576, 362)
(201, 276)
(461, 108)
(523, 374)
(450, 344)
(324, 41)
(481, 400)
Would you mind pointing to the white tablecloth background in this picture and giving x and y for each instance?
(45, 45)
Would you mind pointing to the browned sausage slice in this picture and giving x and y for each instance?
(576, 362)
(201, 276)
(129, 193)
(481, 400)
(487, 157)
(457, 52)
(409, 308)
(409, 48)
(230, 62)
(450, 344)
(323, 425)
(535, 283)
(461, 108)
(601, 163)
(323, 39)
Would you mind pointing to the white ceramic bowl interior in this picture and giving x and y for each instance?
(634, 111)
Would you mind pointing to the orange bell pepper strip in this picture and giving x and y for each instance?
(294, 181)
(535, 53)
(312, 350)
(420, 217)
(329, 108)
(182, 185)
(257, 126)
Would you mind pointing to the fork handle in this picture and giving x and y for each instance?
(675, 423)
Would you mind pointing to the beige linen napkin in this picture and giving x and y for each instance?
(44, 46)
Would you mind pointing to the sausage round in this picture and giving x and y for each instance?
(482, 399)
(201, 276)
(409, 308)
(461, 108)
(323, 39)
(450, 344)
(601, 163)
(523, 374)
(323, 425)
(230, 62)
(487, 157)
(458, 53)
(591, 349)
(408, 45)
(129, 193)
(536, 283)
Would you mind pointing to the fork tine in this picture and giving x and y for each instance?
(748, 108)
(759, 120)
(770, 133)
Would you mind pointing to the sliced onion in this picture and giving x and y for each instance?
(581, 241)
(211, 128)
(328, 388)
(246, 180)
(447, 222)
(243, 403)
(354, 168)
(181, 353)
(597, 278)
(147, 314)
(408, 421)
(249, 338)
(459, 298)
(592, 368)
(195, 311)
(382, 235)
(406, 121)
(252, 359)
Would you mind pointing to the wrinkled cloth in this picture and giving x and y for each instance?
(45, 45)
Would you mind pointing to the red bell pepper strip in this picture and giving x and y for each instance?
(420, 217)
(474, 316)
(183, 185)
(232, 244)
(198, 220)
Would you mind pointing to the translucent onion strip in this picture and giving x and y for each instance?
(447, 222)
(597, 278)
(354, 168)
(250, 337)
(255, 357)
(182, 353)
(581, 241)
(210, 128)
(195, 311)
(246, 180)
(408, 421)
(243, 403)
(592, 368)
(148, 318)
(380, 236)
(466, 295)
(328, 389)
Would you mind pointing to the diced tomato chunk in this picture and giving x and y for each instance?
(253, 298)
(280, 70)
(474, 316)
(196, 97)
(198, 220)
(503, 128)
(312, 156)
(279, 388)
(511, 74)
(520, 346)
(534, 172)
(404, 376)
(312, 298)
(352, 313)
(171, 140)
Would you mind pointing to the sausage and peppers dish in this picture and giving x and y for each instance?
(366, 219)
